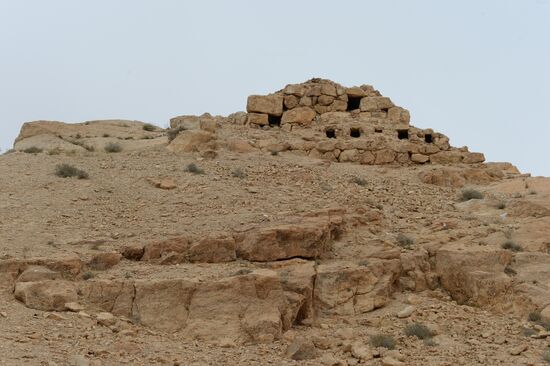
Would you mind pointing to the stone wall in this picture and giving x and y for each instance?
(354, 124)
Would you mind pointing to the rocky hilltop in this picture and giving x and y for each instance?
(319, 227)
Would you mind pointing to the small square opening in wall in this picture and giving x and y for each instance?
(355, 132)
(428, 138)
(274, 121)
(378, 130)
(402, 134)
(353, 103)
(331, 133)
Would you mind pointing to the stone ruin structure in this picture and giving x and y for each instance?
(354, 124)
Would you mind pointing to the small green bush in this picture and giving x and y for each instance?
(382, 340)
(359, 181)
(68, 171)
(404, 241)
(193, 168)
(511, 245)
(149, 127)
(113, 147)
(238, 173)
(534, 316)
(418, 330)
(470, 194)
(32, 150)
(174, 132)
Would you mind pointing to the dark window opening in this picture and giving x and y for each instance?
(355, 132)
(385, 110)
(353, 103)
(402, 134)
(331, 134)
(274, 121)
(428, 138)
(378, 130)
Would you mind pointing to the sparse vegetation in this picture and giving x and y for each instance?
(193, 168)
(68, 171)
(546, 356)
(242, 271)
(364, 263)
(511, 245)
(534, 316)
(382, 340)
(87, 275)
(430, 342)
(32, 150)
(149, 127)
(54, 151)
(359, 181)
(174, 132)
(82, 144)
(418, 330)
(470, 194)
(528, 332)
(238, 173)
(404, 241)
(113, 147)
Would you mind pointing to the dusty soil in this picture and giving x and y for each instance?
(45, 216)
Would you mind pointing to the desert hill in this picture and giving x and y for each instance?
(319, 227)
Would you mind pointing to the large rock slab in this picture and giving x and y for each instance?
(345, 288)
(308, 239)
(48, 295)
(268, 104)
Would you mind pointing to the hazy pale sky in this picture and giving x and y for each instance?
(478, 71)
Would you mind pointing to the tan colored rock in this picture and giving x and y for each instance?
(349, 156)
(301, 115)
(328, 89)
(38, 273)
(344, 288)
(106, 319)
(240, 146)
(361, 352)
(545, 314)
(375, 104)
(399, 115)
(189, 141)
(163, 183)
(355, 92)
(420, 158)
(208, 125)
(301, 349)
(308, 239)
(158, 249)
(325, 100)
(295, 89)
(259, 119)
(103, 261)
(473, 158)
(268, 104)
(115, 296)
(446, 157)
(326, 146)
(232, 307)
(406, 312)
(48, 295)
(291, 101)
(163, 304)
(132, 252)
(384, 156)
(213, 249)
